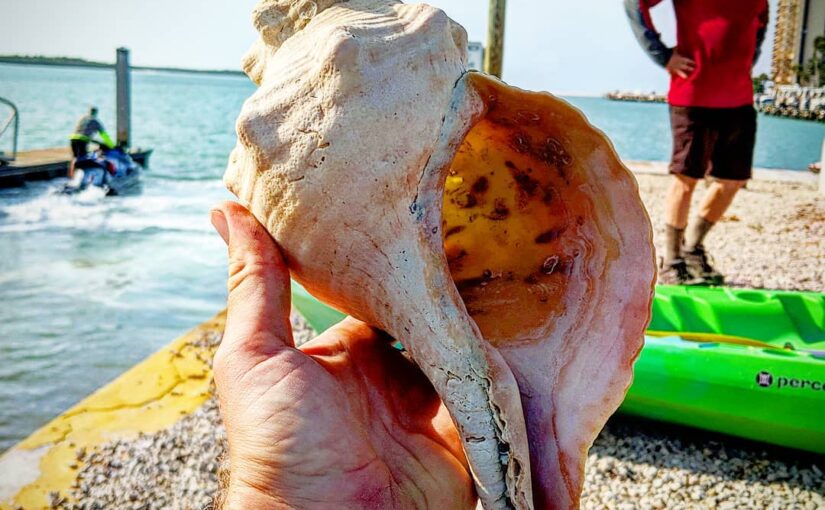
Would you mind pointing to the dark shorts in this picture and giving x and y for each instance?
(79, 148)
(716, 142)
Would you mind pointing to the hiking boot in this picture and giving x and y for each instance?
(698, 263)
(677, 272)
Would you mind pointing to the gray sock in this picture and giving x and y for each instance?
(673, 243)
(696, 233)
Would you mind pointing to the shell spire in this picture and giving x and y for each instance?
(276, 21)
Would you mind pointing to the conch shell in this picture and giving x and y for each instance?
(491, 230)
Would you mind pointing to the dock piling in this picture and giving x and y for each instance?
(124, 110)
(494, 55)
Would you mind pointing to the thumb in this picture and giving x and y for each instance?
(257, 321)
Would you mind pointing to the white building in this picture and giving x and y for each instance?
(475, 56)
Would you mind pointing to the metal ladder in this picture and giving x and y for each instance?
(12, 120)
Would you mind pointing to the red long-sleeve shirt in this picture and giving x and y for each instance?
(721, 36)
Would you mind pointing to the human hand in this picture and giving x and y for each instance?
(345, 421)
(680, 65)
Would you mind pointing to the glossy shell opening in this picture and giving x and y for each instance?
(515, 215)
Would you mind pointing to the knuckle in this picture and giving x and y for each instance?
(244, 268)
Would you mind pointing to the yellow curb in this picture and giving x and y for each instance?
(151, 396)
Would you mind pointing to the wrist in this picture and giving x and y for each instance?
(667, 55)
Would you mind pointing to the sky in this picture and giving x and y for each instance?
(564, 46)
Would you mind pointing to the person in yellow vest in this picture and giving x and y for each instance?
(87, 127)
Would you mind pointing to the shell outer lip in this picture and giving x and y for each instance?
(465, 108)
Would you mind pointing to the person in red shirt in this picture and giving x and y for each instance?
(711, 115)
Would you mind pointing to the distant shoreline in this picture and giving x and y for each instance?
(79, 62)
(636, 97)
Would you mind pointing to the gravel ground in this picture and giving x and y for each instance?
(638, 464)
(773, 236)
(633, 465)
(173, 469)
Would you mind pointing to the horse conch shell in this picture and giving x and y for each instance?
(491, 230)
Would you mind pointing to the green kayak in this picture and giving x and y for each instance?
(749, 363)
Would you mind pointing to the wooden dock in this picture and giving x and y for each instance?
(43, 164)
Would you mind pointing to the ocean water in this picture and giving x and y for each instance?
(90, 285)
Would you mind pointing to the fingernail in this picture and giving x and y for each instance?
(219, 222)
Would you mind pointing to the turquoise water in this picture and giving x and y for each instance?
(641, 131)
(91, 285)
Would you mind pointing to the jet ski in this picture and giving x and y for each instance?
(111, 169)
